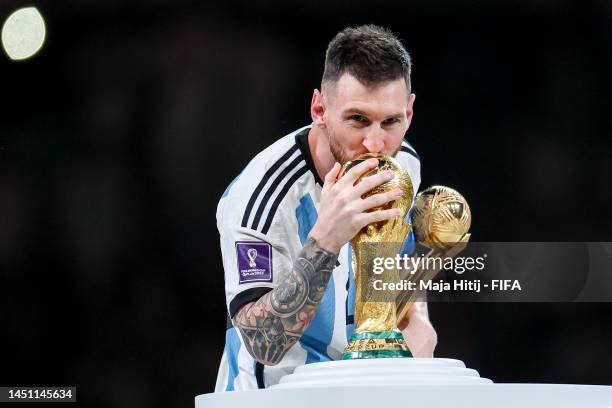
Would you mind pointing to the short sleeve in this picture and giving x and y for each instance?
(257, 225)
(253, 265)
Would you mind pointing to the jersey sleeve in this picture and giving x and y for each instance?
(256, 247)
(253, 264)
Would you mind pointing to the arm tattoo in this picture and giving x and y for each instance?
(275, 322)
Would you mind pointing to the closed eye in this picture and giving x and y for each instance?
(391, 121)
(358, 120)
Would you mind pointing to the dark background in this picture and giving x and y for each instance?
(117, 140)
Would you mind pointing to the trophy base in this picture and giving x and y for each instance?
(384, 344)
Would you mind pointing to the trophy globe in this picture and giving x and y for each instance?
(441, 217)
(441, 220)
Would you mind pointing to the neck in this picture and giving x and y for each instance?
(318, 143)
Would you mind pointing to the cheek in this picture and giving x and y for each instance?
(394, 138)
(349, 135)
(352, 139)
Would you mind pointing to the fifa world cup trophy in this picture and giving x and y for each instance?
(376, 334)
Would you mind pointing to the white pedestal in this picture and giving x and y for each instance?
(410, 382)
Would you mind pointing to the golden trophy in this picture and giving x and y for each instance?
(441, 220)
(376, 334)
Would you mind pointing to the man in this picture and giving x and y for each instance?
(286, 222)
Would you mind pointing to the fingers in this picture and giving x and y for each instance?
(419, 334)
(377, 200)
(331, 176)
(368, 183)
(359, 170)
(377, 216)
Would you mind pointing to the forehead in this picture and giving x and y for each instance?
(387, 97)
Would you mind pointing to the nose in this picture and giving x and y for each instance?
(374, 141)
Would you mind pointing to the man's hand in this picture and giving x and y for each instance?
(419, 334)
(343, 211)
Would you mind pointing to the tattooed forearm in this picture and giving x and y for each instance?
(275, 322)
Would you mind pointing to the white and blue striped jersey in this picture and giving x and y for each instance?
(264, 217)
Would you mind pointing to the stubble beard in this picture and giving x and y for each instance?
(336, 148)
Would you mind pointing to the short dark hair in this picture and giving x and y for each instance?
(370, 53)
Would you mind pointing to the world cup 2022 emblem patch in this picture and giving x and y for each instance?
(254, 261)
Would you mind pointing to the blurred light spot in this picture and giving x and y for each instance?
(23, 33)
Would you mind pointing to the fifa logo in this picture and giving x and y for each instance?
(252, 254)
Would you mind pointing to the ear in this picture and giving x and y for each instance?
(410, 108)
(317, 109)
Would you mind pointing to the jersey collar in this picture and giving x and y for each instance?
(301, 139)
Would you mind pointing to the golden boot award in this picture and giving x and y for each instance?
(376, 334)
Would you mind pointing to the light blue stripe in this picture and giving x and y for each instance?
(350, 296)
(227, 189)
(317, 337)
(409, 244)
(306, 215)
(232, 347)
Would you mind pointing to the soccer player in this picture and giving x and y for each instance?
(286, 221)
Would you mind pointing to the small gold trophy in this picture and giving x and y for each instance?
(441, 219)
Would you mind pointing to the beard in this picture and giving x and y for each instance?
(337, 150)
(340, 154)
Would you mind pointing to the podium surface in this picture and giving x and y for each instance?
(411, 382)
